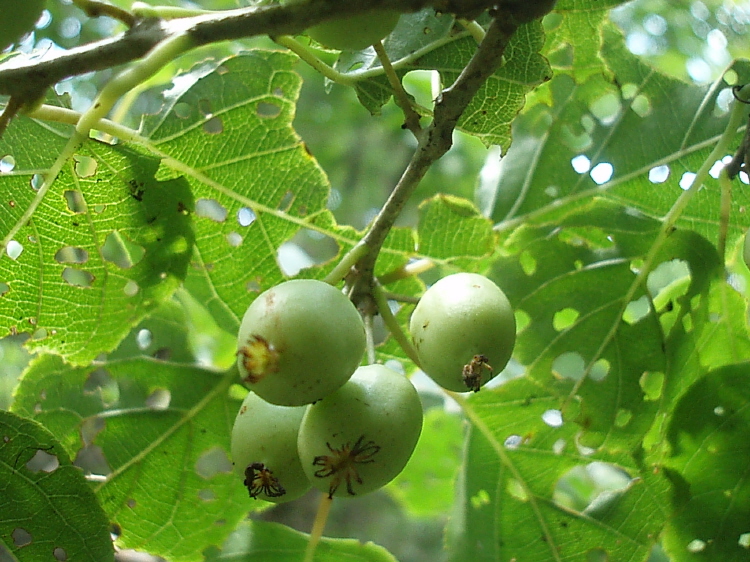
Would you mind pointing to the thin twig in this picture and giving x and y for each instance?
(411, 117)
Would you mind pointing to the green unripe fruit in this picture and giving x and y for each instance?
(464, 331)
(264, 450)
(355, 32)
(360, 437)
(18, 18)
(299, 341)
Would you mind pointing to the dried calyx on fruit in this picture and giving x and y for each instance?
(264, 450)
(299, 341)
(360, 437)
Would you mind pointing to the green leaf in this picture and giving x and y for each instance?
(425, 486)
(709, 435)
(258, 541)
(498, 101)
(518, 461)
(109, 237)
(635, 141)
(48, 509)
(155, 435)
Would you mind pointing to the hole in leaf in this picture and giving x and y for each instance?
(4, 289)
(652, 384)
(591, 489)
(117, 249)
(77, 277)
(528, 263)
(687, 180)
(641, 105)
(131, 288)
(658, 174)
(90, 428)
(14, 249)
(552, 418)
(71, 254)
(481, 498)
(696, 545)
(512, 442)
(522, 320)
(207, 495)
(636, 310)
(204, 106)
(516, 490)
(245, 216)
(91, 460)
(569, 365)
(75, 201)
(182, 110)
(101, 383)
(212, 462)
(744, 540)
(213, 126)
(606, 108)
(85, 166)
(131, 503)
(60, 554)
(234, 239)
(286, 200)
(268, 110)
(143, 338)
(599, 370)
(39, 334)
(564, 318)
(36, 181)
(42, 461)
(21, 537)
(7, 163)
(558, 446)
(602, 173)
(581, 164)
(211, 209)
(115, 531)
(623, 417)
(597, 555)
(159, 399)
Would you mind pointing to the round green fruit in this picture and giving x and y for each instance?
(360, 437)
(18, 18)
(354, 33)
(264, 450)
(299, 341)
(464, 331)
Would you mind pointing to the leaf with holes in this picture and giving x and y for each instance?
(528, 492)
(637, 141)
(48, 509)
(709, 439)
(155, 438)
(108, 236)
(259, 541)
(499, 100)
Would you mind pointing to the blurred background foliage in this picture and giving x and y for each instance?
(694, 41)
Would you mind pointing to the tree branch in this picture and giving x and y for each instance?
(27, 79)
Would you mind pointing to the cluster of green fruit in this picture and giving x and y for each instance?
(315, 417)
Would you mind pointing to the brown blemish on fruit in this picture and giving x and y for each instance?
(260, 480)
(472, 372)
(341, 464)
(259, 358)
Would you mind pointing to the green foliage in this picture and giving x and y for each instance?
(48, 509)
(618, 431)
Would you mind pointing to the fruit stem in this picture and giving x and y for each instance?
(474, 29)
(342, 268)
(370, 339)
(324, 508)
(411, 117)
(166, 12)
(307, 55)
(404, 272)
(95, 9)
(392, 324)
